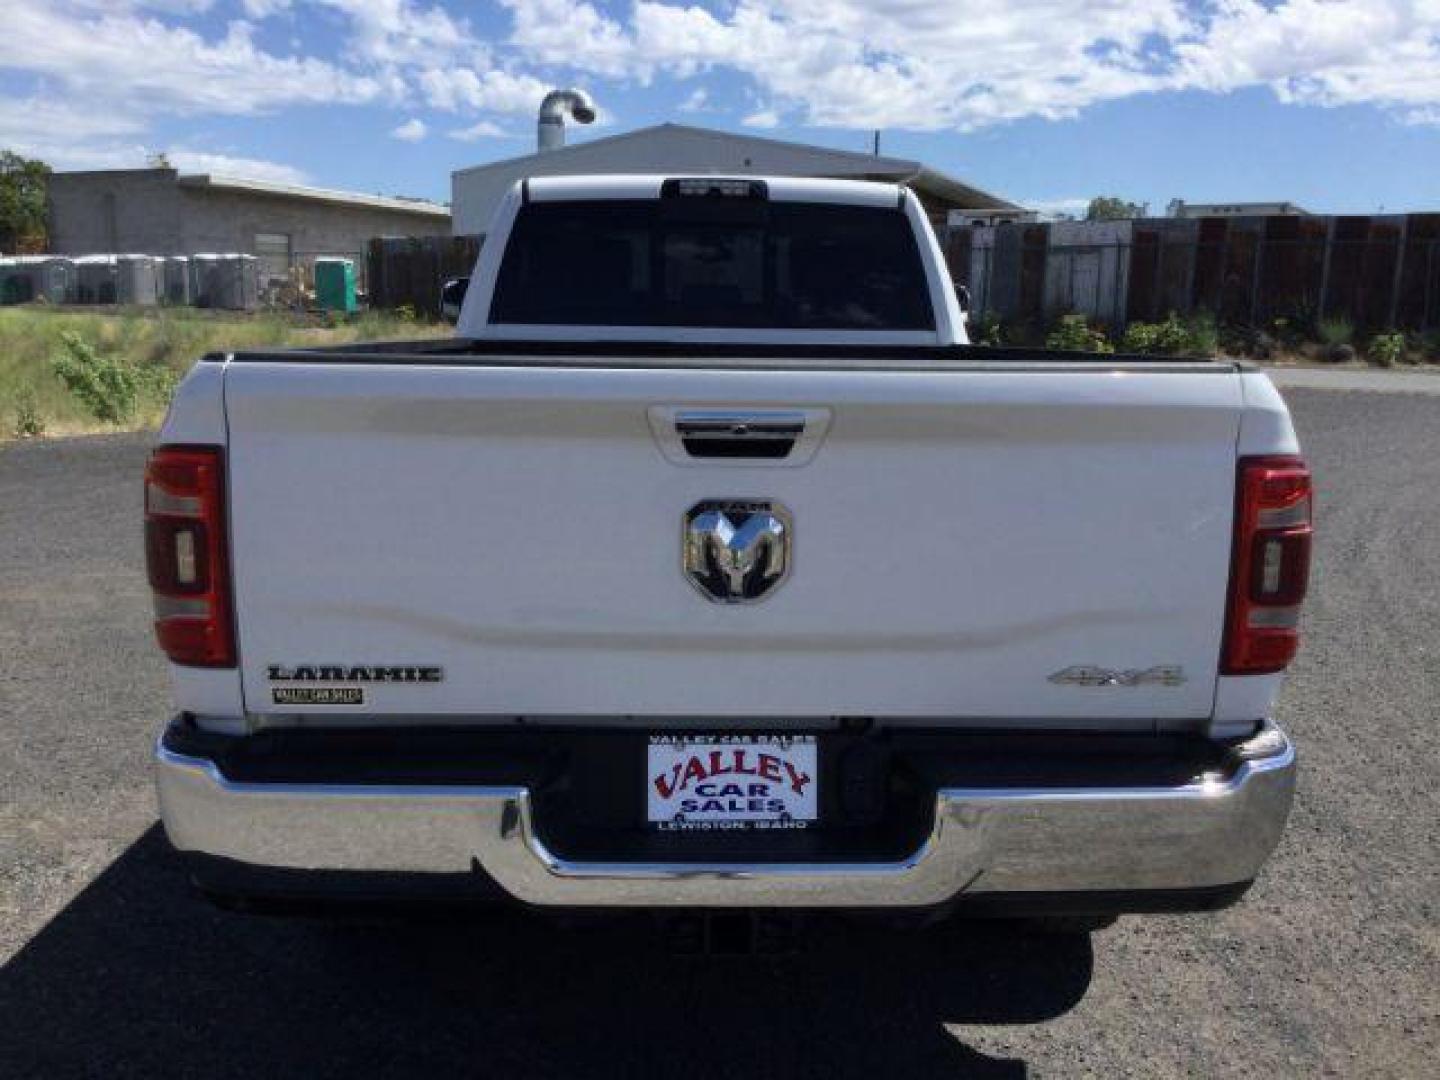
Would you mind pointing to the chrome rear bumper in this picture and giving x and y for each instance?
(1216, 830)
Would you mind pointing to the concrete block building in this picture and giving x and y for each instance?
(162, 212)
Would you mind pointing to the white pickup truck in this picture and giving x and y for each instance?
(708, 567)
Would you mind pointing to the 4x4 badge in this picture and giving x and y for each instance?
(1088, 675)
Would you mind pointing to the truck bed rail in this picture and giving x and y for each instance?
(463, 352)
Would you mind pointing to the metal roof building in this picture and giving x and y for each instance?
(1179, 208)
(679, 148)
(162, 212)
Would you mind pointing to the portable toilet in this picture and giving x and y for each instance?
(174, 280)
(224, 278)
(95, 279)
(53, 279)
(335, 284)
(201, 277)
(227, 281)
(227, 286)
(249, 282)
(136, 281)
(15, 286)
(241, 282)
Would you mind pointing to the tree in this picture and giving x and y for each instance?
(1110, 208)
(22, 201)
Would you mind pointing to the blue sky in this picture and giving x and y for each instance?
(1334, 104)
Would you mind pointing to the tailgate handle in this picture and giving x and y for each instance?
(739, 434)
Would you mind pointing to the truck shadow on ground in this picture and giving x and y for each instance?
(140, 977)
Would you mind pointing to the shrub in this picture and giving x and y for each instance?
(1386, 349)
(1428, 346)
(1337, 331)
(986, 329)
(1235, 339)
(28, 421)
(106, 388)
(1204, 335)
(1140, 337)
(156, 382)
(1292, 331)
(1174, 336)
(1072, 333)
(1029, 333)
(140, 340)
(1300, 324)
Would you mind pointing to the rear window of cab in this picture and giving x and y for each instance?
(712, 263)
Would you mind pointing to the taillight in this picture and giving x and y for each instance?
(185, 553)
(1270, 565)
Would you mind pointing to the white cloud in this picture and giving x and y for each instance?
(574, 35)
(454, 88)
(143, 66)
(117, 68)
(162, 7)
(401, 32)
(1428, 116)
(697, 102)
(921, 65)
(201, 161)
(412, 130)
(144, 63)
(66, 136)
(485, 129)
(263, 9)
(32, 120)
(903, 63)
(1321, 52)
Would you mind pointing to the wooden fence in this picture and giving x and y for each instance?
(1377, 272)
(409, 271)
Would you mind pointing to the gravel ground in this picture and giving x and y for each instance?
(1330, 967)
(1424, 380)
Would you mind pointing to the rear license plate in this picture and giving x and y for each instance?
(716, 782)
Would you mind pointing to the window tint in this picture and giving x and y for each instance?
(713, 263)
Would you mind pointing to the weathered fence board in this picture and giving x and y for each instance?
(1378, 272)
(410, 271)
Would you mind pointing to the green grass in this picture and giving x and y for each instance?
(168, 339)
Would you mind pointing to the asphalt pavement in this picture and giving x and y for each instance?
(1331, 966)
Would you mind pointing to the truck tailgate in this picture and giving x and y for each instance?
(958, 537)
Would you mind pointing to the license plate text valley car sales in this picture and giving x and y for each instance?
(736, 781)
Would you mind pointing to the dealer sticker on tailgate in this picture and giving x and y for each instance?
(711, 782)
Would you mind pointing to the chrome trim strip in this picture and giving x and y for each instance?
(740, 425)
(678, 429)
(1215, 831)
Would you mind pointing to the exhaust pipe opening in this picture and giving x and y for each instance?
(558, 104)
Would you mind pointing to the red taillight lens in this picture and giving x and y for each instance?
(1270, 567)
(185, 554)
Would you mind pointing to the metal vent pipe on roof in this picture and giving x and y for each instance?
(550, 130)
